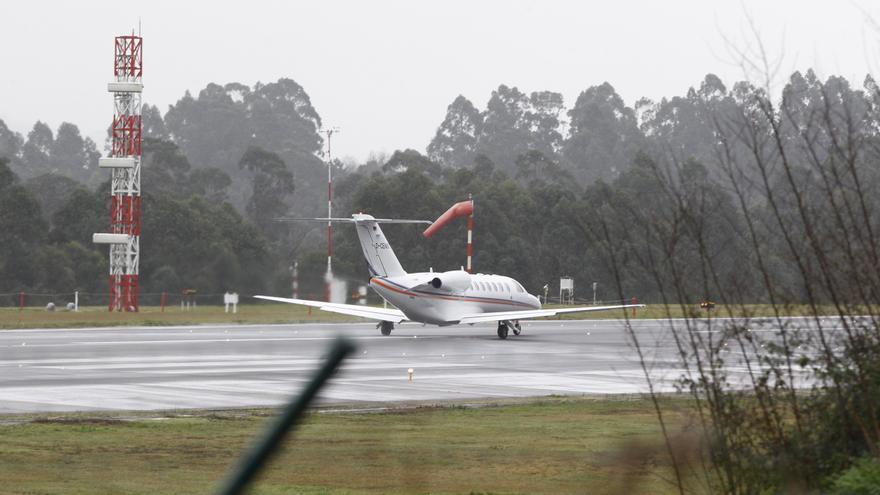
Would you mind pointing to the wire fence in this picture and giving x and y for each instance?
(61, 300)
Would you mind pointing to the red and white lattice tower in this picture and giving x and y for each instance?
(124, 163)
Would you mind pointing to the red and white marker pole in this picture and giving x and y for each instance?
(295, 280)
(470, 227)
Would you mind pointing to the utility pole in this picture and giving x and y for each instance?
(329, 276)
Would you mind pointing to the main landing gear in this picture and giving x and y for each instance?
(505, 326)
(385, 327)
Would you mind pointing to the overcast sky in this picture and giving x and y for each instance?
(384, 72)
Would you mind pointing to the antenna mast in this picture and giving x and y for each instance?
(124, 163)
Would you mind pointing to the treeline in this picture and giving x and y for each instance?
(219, 168)
(728, 193)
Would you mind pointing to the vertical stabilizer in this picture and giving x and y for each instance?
(380, 257)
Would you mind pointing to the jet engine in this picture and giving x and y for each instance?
(454, 281)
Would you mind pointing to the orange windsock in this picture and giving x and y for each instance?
(462, 209)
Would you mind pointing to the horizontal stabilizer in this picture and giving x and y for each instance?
(351, 220)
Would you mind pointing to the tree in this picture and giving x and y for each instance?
(505, 133)
(604, 137)
(36, 150)
(455, 142)
(216, 129)
(23, 231)
(402, 161)
(543, 122)
(685, 127)
(153, 125)
(272, 184)
(51, 191)
(10, 145)
(210, 183)
(165, 168)
(73, 156)
(534, 168)
(82, 214)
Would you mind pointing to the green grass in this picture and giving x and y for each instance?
(94, 316)
(264, 313)
(552, 445)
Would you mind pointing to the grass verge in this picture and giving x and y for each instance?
(12, 318)
(552, 445)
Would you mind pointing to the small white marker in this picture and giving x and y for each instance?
(482, 357)
(404, 354)
(415, 336)
(441, 355)
(410, 371)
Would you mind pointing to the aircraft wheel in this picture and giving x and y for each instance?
(385, 327)
(502, 331)
(517, 328)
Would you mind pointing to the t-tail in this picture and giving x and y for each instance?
(377, 250)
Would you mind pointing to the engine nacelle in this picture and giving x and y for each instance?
(454, 281)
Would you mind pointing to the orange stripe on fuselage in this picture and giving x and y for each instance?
(448, 298)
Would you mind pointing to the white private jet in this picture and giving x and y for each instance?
(447, 298)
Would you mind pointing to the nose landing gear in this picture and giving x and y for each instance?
(385, 327)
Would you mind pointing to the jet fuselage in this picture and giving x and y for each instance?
(421, 302)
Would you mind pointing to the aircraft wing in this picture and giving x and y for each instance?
(538, 313)
(379, 314)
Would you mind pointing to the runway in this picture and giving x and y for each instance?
(162, 368)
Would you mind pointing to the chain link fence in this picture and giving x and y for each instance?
(61, 300)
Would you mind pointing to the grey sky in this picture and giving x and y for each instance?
(384, 72)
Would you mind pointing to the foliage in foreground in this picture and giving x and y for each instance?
(782, 405)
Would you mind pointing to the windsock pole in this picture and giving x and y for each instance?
(462, 209)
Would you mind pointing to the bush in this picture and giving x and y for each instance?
(863, 478)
